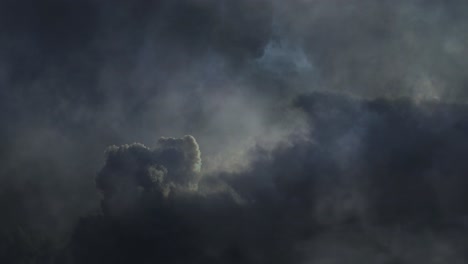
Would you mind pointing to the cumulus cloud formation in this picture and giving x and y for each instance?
(132, 169)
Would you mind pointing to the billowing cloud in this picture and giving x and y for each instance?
(326, 126)
(131, 170)
(372, 175)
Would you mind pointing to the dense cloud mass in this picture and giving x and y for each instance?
(131, 169)
(378, 177)
(330, 131)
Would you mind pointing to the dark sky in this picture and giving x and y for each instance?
(302, 131)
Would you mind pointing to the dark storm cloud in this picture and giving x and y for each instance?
(279, 183)
(400, 150)
(96, 73)
(62, 54)
(369, 168)
(369, 48)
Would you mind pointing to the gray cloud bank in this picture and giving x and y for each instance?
(325, 126)
(375, 175)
